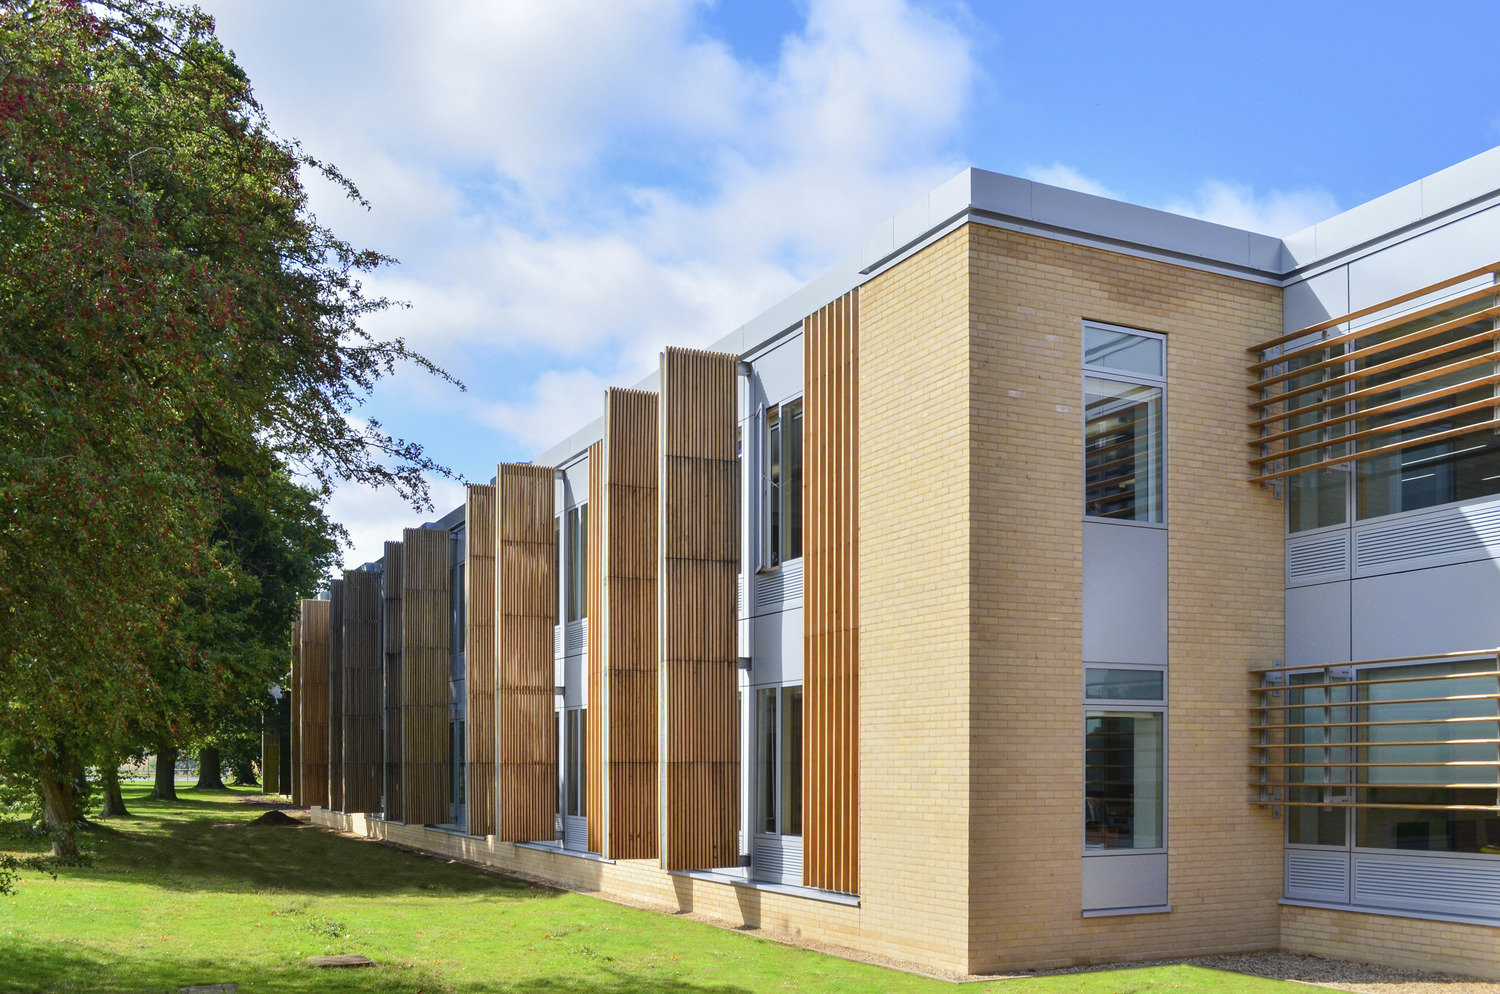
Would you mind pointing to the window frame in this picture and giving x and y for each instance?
(774, 499)
(1093, 371)
(779, 765)
(1105, 705)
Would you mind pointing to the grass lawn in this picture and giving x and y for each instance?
(187, 893)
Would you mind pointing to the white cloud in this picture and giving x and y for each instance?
(1069, 178)
(373, 517)
(1275, 212)
(561, 402)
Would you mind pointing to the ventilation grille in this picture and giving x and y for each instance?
(1317, 876)
(780, 587)
(557, 641)
(1445, 885)
(576, 640)
(1448, 535)
(1317, 560)
(576, 834)
(778, 859)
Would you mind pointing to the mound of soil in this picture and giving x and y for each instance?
(275, 818)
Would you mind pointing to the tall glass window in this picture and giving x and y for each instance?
(576, 580)
(779, 761)
(784, 482)
(1124, 758)
(576, 758)
(1123, 387)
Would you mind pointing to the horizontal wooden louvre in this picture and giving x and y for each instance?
(830, 855)
(526, 592)
(391, 634)
(625, 659)
(362, 690)
(698, 570)
(1420, 733)
(597, 724)
(425, 665)
(480, 650)
(335, 725)
(1405, 380)
(296, 704)
(315, 703)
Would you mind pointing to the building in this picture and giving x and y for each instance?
(1056, 581)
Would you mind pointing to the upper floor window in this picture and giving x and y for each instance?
(784, 483)
(1123, 389)
(576, 575)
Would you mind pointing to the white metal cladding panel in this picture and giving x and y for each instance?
(1452, 534)
(576, 639)
(576, 833)
(1317, 559)
(782, 587)
(1444, 885)
(1317, 876)
(778, 859)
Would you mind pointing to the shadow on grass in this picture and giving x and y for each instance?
(53, 969)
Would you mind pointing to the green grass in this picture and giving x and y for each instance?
(187, 893)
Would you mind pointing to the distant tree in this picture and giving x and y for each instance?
(174, 326)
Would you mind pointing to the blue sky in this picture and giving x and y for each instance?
(571, 185)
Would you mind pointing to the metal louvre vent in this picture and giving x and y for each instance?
(1453, 534)
(1320, 876)
(557, 640)
(779, 859)
(1452, 886)
(576, 639)
(779, 587)
(1317, 560)
(575, 833)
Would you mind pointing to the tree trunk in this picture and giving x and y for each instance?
(114, 801)
(166, 774)
(58, 774)
(210, 769)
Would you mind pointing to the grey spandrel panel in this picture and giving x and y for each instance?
(1124, 593)
(1120, 881)
(778, 647)
(1313, 301)
(1462, 182)
(1372, 219)
(1002, 194)
(1463, 244)
(575, 681)
(1443, 609)
(1317, 624)
(778, 373)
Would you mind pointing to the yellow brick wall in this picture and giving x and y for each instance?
(914, 436)
(1472, 950)
(1029, 297)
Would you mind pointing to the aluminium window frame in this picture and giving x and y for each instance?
(1127, 705)
(767, 554)
(1088, 371)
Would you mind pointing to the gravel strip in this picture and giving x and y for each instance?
(1346, 976)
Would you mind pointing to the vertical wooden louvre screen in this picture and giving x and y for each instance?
(295, 709)
(479, 683)
(526, 593)
(597, 726)
(315, 703)
(335, 695)
(425, 666)
(361, 662)
(390, 626)
(698, 569)
(830, 855)
(622, 650)
(270, 759)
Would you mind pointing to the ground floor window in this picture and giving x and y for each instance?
(575, 762)
(779, 761)
(1124, 758)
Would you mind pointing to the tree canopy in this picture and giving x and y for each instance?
(180, 345)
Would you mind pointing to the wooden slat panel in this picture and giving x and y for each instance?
(480, 653)
(526, 594)
(425, 666)
(295, 705)
(314, 708)
(391, 635)
(625, 653)
(595, 751)
(697, 571)
(362, 691)
(270, 759)
(335, 723)
(830, 784)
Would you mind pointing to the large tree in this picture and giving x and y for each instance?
(171, 317)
